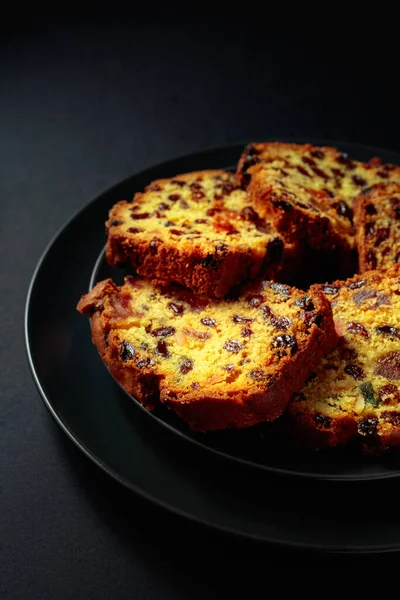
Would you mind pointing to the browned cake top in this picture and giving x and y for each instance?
(204, 211)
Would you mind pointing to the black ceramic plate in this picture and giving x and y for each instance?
(121, 438)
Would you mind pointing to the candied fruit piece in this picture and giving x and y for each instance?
(126, 351)
(368, 393)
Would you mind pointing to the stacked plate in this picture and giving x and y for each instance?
(250, 483)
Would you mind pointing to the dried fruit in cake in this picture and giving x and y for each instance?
(355, 391)
(308, 192)
(198, 230)
(217, 363)
(377, 220)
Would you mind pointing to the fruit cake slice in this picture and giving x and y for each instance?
(377, 220)
(308, 191)
(198, 230)
(355, 392)
(218, 364)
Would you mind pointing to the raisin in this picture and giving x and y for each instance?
(358, 180)
(392, 417)
(388, 365)
(370, 209)
(208, 322)
(163, 331)
(311, 318)
(305, 303)
(367, 425)
(383, 174)
(185, 365)
(198, 196)
(227, 188)
(320, 173)
(144, 215)
(174, 197)
(279, 203)
(169, 223)
(163, 206)
(328, 193)
(388, 331)
(369, 229)
(195, 186)
(177, 232)
(358, 329)
(397, 258)
(357, 284)
(338, 173)
(213, 211)
(255, 301)
(280, 323)
(330, 289)
(126, 351)
(154, 187)
(201, 221)
(368, 393)
(142, 363)
(371, 259)
(275, 250)
(246, 332)
(323, 420)
(317, 154)
(239, 319)
(116, 222)
(258, 375)
(280, 289)
(344, 210)
(309, 161)
(153, 246)
(303, 171)
(285, 341)
(389, 393)
(249, 214)
(229, 368)
(233, 346)
(178, 182)
(178, 309)
(134, 230)
(355, 371)
(382, 234)
(162, 348)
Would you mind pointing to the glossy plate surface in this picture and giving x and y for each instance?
(236, 482)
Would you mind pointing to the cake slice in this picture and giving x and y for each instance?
(198, 230)
(219, 364)
(355, 391)
(308, 192)
(377, 220)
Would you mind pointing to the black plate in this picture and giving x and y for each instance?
(121, 438)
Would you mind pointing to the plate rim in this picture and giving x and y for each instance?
(339, 549)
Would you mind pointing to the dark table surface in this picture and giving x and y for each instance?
(83, 104)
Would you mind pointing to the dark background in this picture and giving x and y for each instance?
(87, 99)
